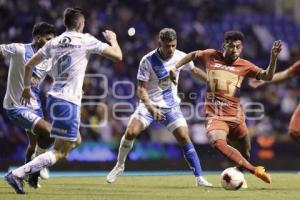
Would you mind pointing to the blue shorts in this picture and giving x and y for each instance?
(25, 118)
(64, 117)
(174, 117)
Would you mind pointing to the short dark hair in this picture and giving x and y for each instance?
(71, 17)
(42, 29)
(233, 35)
(167, 35)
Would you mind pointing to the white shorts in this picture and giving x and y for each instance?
(174, 117)
(24, 117)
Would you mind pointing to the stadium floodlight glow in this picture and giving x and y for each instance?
(131, 31)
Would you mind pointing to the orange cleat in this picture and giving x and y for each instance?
(261, 173)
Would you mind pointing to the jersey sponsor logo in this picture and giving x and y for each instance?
(65, 42)
(60, 130)
(221, 66)
(220, 103)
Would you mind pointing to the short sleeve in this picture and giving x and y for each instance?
(10, 49)
(42, 69)
(45, 50)
(94, 46)
(144, 71)
(200, 55)
(205, 55)
(294, 70)
(253, 70)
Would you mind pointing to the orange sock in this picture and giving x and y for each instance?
(233, 154)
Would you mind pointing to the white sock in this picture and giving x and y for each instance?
(44, 160)
(125, 147)
(38, 151)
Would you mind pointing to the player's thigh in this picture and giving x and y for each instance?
(23, 117)
(182, 135)
(43, 128)
(174, 120)
(135, 127)
(216, 130)
(294, 125)
(138, 121)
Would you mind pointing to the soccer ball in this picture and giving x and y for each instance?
(232, 179)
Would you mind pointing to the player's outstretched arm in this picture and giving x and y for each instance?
(113, 52)
(26, 95)
(267, 74)
(187, 58)
(143, 95)
(279, 76)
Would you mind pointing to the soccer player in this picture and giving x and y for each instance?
(290, 72)
(159, 101)
(69, 52)
(30, 117)
(225, 119)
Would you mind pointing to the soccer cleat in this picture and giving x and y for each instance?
(261, 173)
(245, 185)
(33, 180)
(115, 172)
(44, 174)
(202, 182)
(15, 182)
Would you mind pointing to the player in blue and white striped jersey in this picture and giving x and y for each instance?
(28, 117)
(69, 52)
(159, 101)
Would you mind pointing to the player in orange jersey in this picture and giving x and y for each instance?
(225, 119)
(290, 72)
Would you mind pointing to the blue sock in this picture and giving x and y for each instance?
(192, 158)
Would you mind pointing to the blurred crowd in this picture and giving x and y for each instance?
(109, 89)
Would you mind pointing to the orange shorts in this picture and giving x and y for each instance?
(295, 120)
(234, 130)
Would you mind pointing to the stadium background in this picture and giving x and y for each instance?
(109, 97)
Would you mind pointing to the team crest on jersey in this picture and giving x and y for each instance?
(164, 83)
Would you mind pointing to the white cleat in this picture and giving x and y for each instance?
(245, 185)
(202, 182)
(44, 174)
(115, 172)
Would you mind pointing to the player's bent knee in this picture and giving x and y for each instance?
(132, 133)
(295, 135)
(214, 136)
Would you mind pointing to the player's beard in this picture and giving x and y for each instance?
(231, 58)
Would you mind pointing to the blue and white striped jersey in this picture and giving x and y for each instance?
(152, 69)
(18, 54)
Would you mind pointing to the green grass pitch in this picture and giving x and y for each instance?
(171, 187)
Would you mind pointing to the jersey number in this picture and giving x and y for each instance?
(63, 63)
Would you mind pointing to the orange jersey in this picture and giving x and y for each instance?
(224, 81)
(294, 70)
